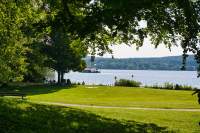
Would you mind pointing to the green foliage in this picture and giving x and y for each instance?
(14, 17)
(127, 83)
(93, 26)
(171, 86)
(168, 85)
(183, 87)
(64, 54)
(36, 69)
(102, 22)
(169, 22)
(11, 50)
(62, 44)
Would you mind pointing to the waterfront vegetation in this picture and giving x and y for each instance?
(128, 83)
(32, 117)
(171, 86)
(166, 85)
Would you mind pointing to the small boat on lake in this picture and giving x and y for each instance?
(90, 70)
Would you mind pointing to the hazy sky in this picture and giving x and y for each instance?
(148, 50)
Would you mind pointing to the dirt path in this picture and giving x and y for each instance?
(117, 107)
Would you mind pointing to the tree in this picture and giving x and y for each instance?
(64, 43)
(64, 54)
(168, 22)
(14, 15)
(35, 59)
(64, 50)
(96, 24)
(102, 22)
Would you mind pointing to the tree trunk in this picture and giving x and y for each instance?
(59, 77)
(62, 77)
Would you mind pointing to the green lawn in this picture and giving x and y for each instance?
(17, 116)
(22, 117)
(25, 117)
(184, 122)
(113, 96)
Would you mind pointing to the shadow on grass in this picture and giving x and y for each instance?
(34, 89)
(23, 117)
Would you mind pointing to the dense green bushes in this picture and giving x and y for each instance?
(128, 83)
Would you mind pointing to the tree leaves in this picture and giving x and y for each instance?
(77, 26)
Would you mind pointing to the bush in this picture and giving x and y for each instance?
(171, 86)
(183, 87)
(69, 82)
(127, 83)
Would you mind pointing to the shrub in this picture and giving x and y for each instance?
(171, 86)
(127, 83)
(101, 85)
(156, 86)
(183, 87)
(69, 82)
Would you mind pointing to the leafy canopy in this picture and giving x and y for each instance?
(14, 16)
(92, 25)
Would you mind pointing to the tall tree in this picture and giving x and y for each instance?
(64, 42)
(64, 54)
(14, 16)
(97, 22)
(35, 59)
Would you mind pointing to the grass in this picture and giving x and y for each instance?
(112, 96)
(24, 117)
(183, 122)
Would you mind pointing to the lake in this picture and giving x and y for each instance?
(147, 77)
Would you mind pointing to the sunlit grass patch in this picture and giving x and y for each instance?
(114, 96)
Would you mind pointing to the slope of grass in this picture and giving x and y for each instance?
(183, 122)
(23, 117)
(114, 96)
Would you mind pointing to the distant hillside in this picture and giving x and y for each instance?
(162, 63)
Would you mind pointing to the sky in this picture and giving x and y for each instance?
(147, 50)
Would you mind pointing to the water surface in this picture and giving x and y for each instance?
(147, 77)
